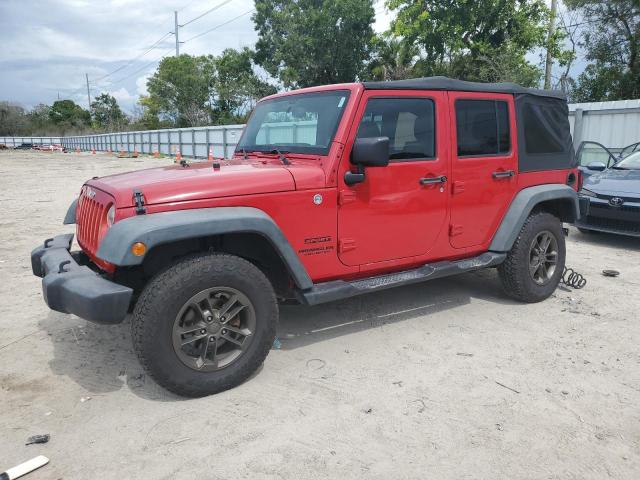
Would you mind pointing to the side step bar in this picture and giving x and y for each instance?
(339, 289)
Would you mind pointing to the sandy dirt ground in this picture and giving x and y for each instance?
(444, 380)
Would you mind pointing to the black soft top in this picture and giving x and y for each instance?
(445, 83)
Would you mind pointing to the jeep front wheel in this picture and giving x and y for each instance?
(205, 324)
(533, 267)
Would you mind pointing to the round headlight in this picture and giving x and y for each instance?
(111, 216)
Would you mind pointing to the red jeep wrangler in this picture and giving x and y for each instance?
(332, 192)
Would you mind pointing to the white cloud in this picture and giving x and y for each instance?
(141, 84)
(122, 95)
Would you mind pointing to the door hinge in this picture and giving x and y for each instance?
(458, 187)
(346, 245)
(455, 229)
(346, 196)
(138, 199)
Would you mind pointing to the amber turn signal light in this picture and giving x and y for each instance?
(138, 249)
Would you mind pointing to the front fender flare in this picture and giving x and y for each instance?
(523, 204)
(166, 227)
(70, 217)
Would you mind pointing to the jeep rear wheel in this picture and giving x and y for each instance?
(205, 324)
(533, 268)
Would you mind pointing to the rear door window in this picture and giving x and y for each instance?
(482, 128)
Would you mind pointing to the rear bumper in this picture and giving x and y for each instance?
(69, 287)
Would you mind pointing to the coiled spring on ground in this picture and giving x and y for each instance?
(573, 279)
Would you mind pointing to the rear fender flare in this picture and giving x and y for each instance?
(522, 206)
(166, 227)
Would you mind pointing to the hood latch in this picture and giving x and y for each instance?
(138, 199)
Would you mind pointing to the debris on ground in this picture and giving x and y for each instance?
(24, 468)
(610, 273)
(508, 388)
(38, 439)
(85, 399)
(277, 344)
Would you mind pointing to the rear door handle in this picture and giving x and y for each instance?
(505, 174)
(433, 180)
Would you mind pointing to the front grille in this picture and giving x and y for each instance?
(625, 199)
(90, 222)
(613, 224)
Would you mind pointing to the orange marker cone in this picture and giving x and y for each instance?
(93, 151)
(109, 151)
(135, 152)
(178, 156)
(77, 149)
(210, 158)
(121, 152)
(156, 154)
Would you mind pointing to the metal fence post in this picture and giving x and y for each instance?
(180, 141)
(578, 125)
(207, 139)
(224, 142)
(193, 143)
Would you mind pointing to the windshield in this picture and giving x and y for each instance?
(632, 162)
(301, 123)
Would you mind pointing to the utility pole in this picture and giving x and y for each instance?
(86, 75)
(552, 31)
(175, 13)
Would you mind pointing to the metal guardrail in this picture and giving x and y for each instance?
(192, 142)
(614, 124)
(17, 141)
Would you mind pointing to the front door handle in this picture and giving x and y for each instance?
(433, 180)
(505, 174)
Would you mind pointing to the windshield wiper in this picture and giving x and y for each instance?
(283, 159)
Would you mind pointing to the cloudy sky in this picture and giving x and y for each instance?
(47, 46)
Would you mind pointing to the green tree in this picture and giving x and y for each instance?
(484, 40)
(39, 119)
(106, 113)
(66, 115)
(146, 117)
(313, 42)
(13, 120)
(189, 91)
(236, 88)
(611, 38)
(180, 89)
(391, 59)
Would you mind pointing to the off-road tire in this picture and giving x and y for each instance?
(514, 274)
(155, 313)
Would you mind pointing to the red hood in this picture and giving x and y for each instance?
(200, 181)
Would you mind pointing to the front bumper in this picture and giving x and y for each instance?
(70, 287)
(599, 215)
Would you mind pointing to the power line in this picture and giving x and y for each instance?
(116, 82)
(220, 25)
(130, 62)
(206, 13)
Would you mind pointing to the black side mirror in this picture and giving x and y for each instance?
(367, 152)
(371, 152)
(597, 166)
